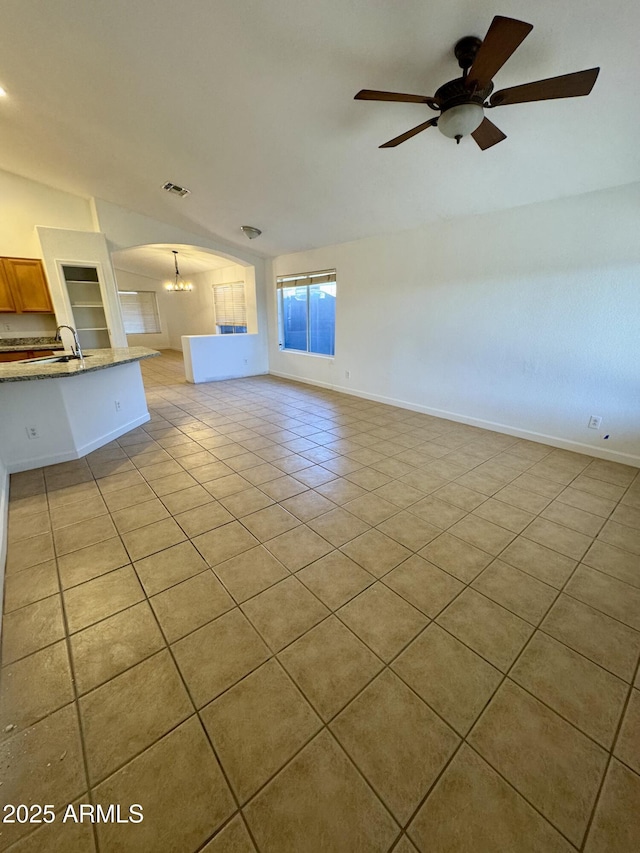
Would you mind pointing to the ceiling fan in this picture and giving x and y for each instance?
(462, 101)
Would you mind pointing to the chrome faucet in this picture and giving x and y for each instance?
(77, 352)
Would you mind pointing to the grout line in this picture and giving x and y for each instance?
(196, 713)
(507, 674)
(83, 745)
(464, 740)
(459, 447)
(610, 757)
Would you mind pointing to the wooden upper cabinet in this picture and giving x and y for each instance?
(7, 302)
(27, 285)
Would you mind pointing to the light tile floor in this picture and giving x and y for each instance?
(285, 619)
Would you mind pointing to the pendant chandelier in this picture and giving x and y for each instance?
(179, 285)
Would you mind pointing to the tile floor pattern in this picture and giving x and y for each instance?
(286, 619)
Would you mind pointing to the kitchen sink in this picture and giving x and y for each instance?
(50, 359)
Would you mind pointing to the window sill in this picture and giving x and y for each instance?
(305, 353)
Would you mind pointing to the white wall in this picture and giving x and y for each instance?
(134, 281)
(191, 312)
(525, 321)
(27, 325)
(25, 204)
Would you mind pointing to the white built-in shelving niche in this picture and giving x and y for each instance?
(87, 306)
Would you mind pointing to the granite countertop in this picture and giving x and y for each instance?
(34, 344)
(95, 359)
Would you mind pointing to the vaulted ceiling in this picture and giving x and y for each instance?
(250, 105)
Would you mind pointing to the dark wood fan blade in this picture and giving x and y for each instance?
(504, 36)
(403, 137)
(488, 134)
(374, 95)
(566, 86)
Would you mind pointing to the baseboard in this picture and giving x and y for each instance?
(230, 376)
(111, 436)
(78, 453)
(530, 435)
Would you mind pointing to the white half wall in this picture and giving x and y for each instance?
(525, 321)
(208, 358)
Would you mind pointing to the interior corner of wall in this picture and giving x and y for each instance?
(95, 216)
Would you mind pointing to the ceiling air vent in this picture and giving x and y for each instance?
(175, 189)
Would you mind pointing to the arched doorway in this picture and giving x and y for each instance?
(143, 273)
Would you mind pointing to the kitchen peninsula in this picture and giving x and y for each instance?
(54, 411)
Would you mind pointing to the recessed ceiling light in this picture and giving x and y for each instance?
(3, 92)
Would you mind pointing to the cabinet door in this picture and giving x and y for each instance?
(7, 302)
(29, 285)
(13, 356)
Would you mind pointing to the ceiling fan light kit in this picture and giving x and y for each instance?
(460, 121)
(462, 101)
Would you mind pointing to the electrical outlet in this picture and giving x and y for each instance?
(594, 422)
(117, 404)
(347, 374)
(7, 327)
(32, 432)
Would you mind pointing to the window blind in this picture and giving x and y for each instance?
(229, 304)
(322, 277)
(140, 312)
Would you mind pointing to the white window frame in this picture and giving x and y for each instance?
(303, 280)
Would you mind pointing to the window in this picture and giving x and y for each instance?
(230, 307)
(140, 312)
(307, 312)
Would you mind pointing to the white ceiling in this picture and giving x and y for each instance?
(250, 105)
(156, 261)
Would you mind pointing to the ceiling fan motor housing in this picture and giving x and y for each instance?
(455, 92)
